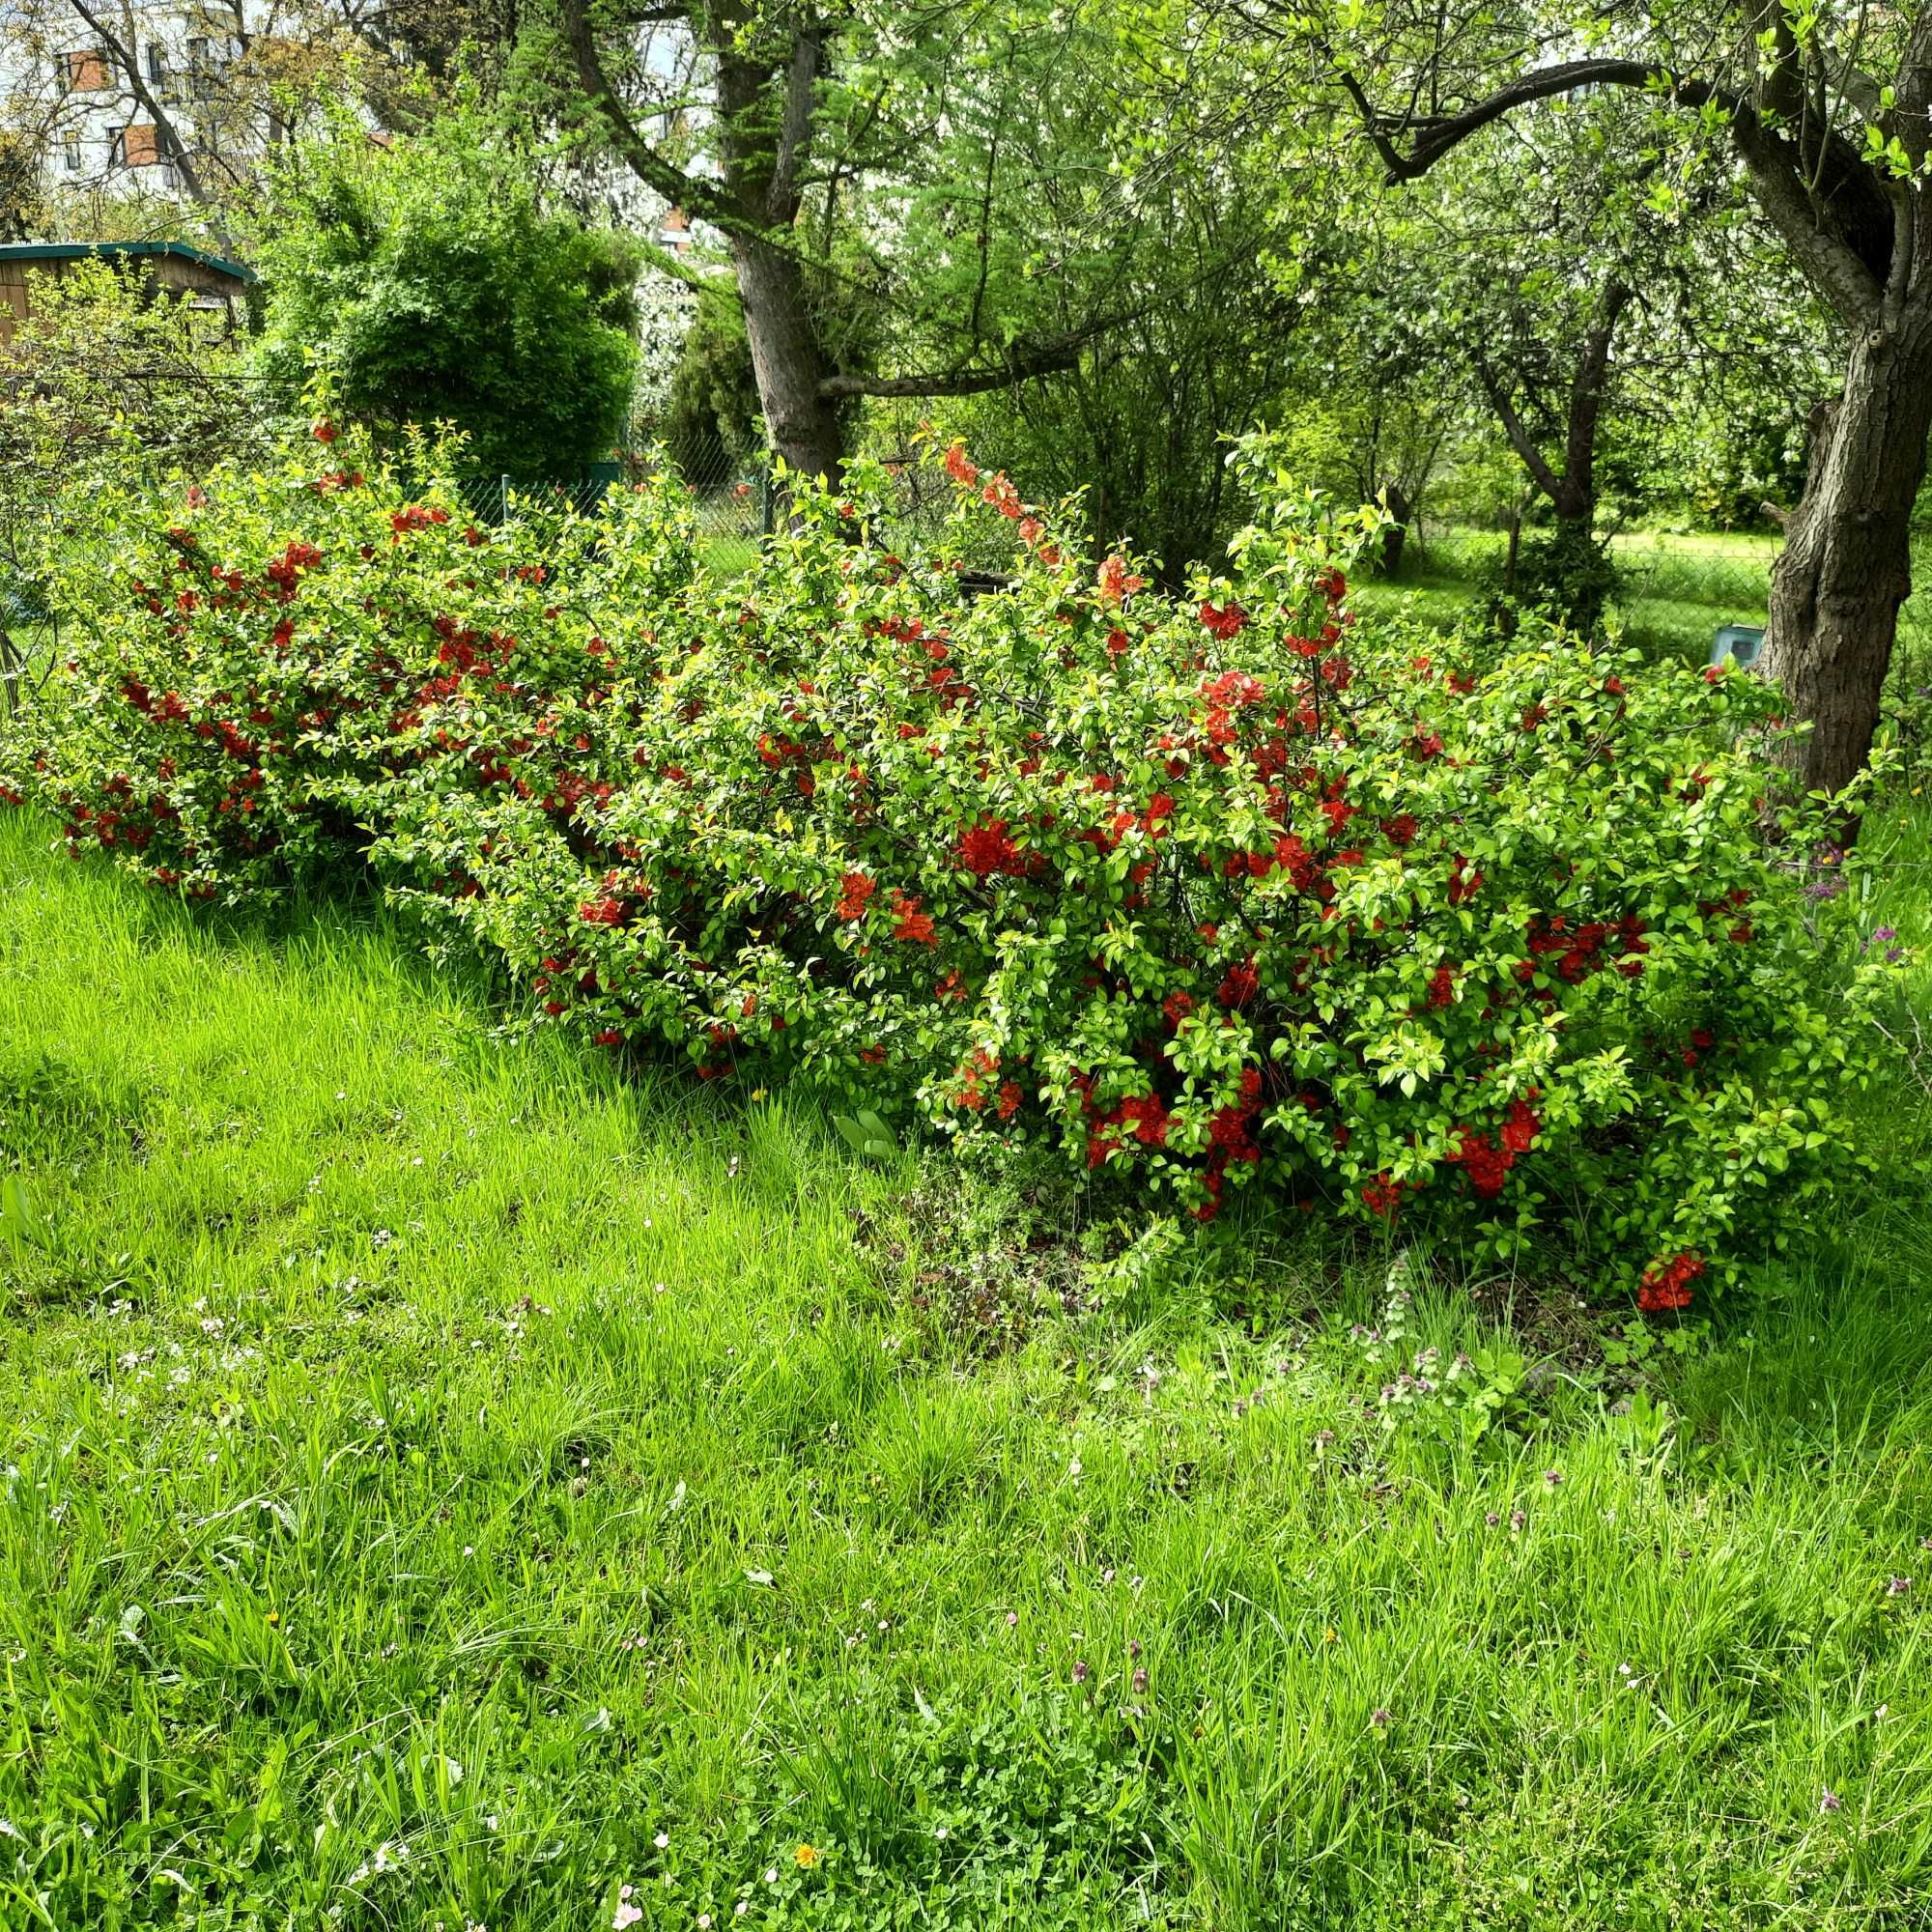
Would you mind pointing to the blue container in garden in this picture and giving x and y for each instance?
(1742, 644)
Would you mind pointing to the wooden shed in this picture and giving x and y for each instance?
(173, 267)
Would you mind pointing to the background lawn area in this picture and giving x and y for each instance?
(441, 1483)
(1676, 588)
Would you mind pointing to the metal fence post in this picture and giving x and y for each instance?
(503, 499)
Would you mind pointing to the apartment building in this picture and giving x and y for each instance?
(139, 96)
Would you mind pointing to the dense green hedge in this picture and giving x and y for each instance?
(1210, 893)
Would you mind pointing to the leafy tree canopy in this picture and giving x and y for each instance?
(424, 281)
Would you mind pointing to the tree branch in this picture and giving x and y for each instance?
(687, 192)
(1048, 361)
(1820, 230)
(1520, 439)
(794, 125)
(1586, 392)
(1436, 135)
(1834, 268)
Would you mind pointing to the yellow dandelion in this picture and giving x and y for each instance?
(807, 1856)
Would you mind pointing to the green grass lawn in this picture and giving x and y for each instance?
(1675, 589)
(442, 1485)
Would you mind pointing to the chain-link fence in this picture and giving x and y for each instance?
(733, 498)
(30, 626)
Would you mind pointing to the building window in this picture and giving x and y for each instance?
(71, 153)
(157, 63)
(141, 147)
(117, 147)
(82, 73)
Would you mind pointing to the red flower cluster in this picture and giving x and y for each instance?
(914, 926)
(1144, 1116)
(1240, 985)
(985, 848)
(1231, 1139)
(1487, 1163)
(1004, 497)
(855, 891)
(285, 571)
(1383, 1196)
(1227, 621)
(1580, 950)
(1666, 1284)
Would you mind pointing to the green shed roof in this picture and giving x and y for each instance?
(68, 251)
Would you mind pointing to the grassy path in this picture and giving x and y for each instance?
(439, 1485)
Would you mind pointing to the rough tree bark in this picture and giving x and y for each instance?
(762, 178)
(1846, 566)
(1395, 538)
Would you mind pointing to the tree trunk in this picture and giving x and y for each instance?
(764, 128)
(802, 424)
(1396, 536)
(1846, 566)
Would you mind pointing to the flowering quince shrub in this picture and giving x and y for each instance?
(1218, 893)
(265, 655)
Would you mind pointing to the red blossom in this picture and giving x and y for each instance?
(985, 848)
(1383, 1196)
(914, 926)
(1004, 497)
(1486, 1166)
(1463, 885)
(1239, 986)
(1666, 1284)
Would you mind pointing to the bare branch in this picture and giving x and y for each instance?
(1047, 360)
(1820, 229)
(1518, 431)
(652, 168)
